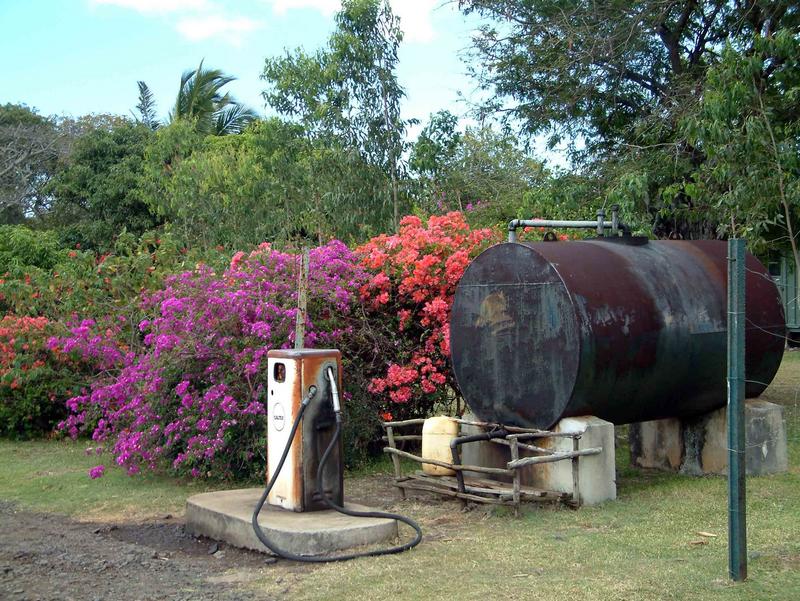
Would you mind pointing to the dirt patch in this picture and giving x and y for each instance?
(44, 557)
(47, 557)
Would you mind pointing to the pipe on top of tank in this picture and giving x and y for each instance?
(601, 224)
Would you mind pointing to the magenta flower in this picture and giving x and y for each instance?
(191, 396)
(97, 471)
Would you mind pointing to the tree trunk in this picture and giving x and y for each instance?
(392, 162)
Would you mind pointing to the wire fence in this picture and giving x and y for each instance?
(784, 390)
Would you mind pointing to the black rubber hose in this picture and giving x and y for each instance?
(367, 514)
(363, 514)
(256, 527)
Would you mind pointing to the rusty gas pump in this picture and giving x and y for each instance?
(292, 373)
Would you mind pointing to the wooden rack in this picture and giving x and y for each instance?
(487, 490)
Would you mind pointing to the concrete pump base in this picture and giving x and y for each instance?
(225, 515)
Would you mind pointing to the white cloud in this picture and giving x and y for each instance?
(198, 20)
(157, 6)
(230, 29)
(415, 15)
(415, 19)
(326, 7)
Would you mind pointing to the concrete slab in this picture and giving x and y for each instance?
(657, 444)
(699, 446)
(225, 515)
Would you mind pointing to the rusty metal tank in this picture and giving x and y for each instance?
(621, 328)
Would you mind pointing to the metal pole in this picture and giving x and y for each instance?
(737, 522)
(302, 302)
(601, 225)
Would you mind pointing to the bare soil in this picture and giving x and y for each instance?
(47, 557)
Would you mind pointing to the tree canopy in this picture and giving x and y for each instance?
(621, 81)
(683, 112)
(347, 94)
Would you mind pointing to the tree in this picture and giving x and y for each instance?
(167, 149)
(201, 101)
(227, 189)
(621, 76)
(146, 107)
(30, 146)
(347, 95)
(434, 152)
(749, 130)
(608, 71)
(482, 169)
(269, 183)
(96, 190)
(365, 45)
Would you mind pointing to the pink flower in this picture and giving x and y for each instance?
(236, 260)
(97, 471)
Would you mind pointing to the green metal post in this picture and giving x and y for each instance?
(737, 522)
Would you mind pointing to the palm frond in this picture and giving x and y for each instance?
(147, 107)
(201, 99)
(233, 118)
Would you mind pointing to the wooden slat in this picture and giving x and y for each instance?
(470, 488)
(470, 468)
(405, 422)
(551, 458)
(576, 491)
(526, 447)
(515, 492)
(535, 433)
(398, 472)
(450, 493)
(489, 487)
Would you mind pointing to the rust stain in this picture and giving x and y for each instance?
(493, 313)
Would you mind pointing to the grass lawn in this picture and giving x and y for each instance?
(643, 546)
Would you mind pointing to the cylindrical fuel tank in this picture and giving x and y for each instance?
(624, 329)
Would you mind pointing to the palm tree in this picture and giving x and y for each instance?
(146, 107)
(201, 100)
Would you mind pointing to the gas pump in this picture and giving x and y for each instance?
(305, 467)
(291, 374)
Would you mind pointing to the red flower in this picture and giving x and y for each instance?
(416, 273)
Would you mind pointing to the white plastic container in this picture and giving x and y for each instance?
(437, 432)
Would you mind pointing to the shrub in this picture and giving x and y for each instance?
(193, 395)
(22, 246)
(82, 284)
(415, 275)
(34, 381)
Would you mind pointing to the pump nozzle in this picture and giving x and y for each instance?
(312, 392)
(337, 408)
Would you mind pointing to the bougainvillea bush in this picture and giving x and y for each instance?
(414, 277)
(193, 395)
(170, 370)
(34, 380)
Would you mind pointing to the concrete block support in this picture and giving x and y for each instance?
(596, 473)
(699, 446)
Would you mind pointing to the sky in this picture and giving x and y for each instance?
(74, 57)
